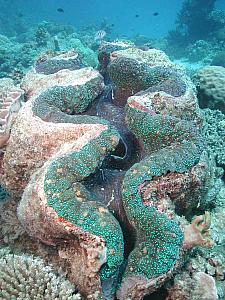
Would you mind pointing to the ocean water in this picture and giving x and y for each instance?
(112, 149)
(120, 13)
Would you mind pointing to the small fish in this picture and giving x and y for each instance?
(99, 35)
(19, 15)
(155, 14)
(137, 16)
(61, 10)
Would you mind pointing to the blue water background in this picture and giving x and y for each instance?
(121, 13)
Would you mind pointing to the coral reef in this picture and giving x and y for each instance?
(210, 83)
(200, 50)
(26, 277)
(121, 226)
(196, 20)
(18, 54)
(199, 32)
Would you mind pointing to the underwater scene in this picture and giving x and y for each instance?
(112, 150)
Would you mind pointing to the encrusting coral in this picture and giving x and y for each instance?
(26, 277)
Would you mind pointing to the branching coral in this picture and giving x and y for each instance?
(25, 277)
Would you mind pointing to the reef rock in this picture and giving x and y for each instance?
(200, 286)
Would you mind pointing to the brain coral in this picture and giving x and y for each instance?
(211, 87)
(26, 277)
